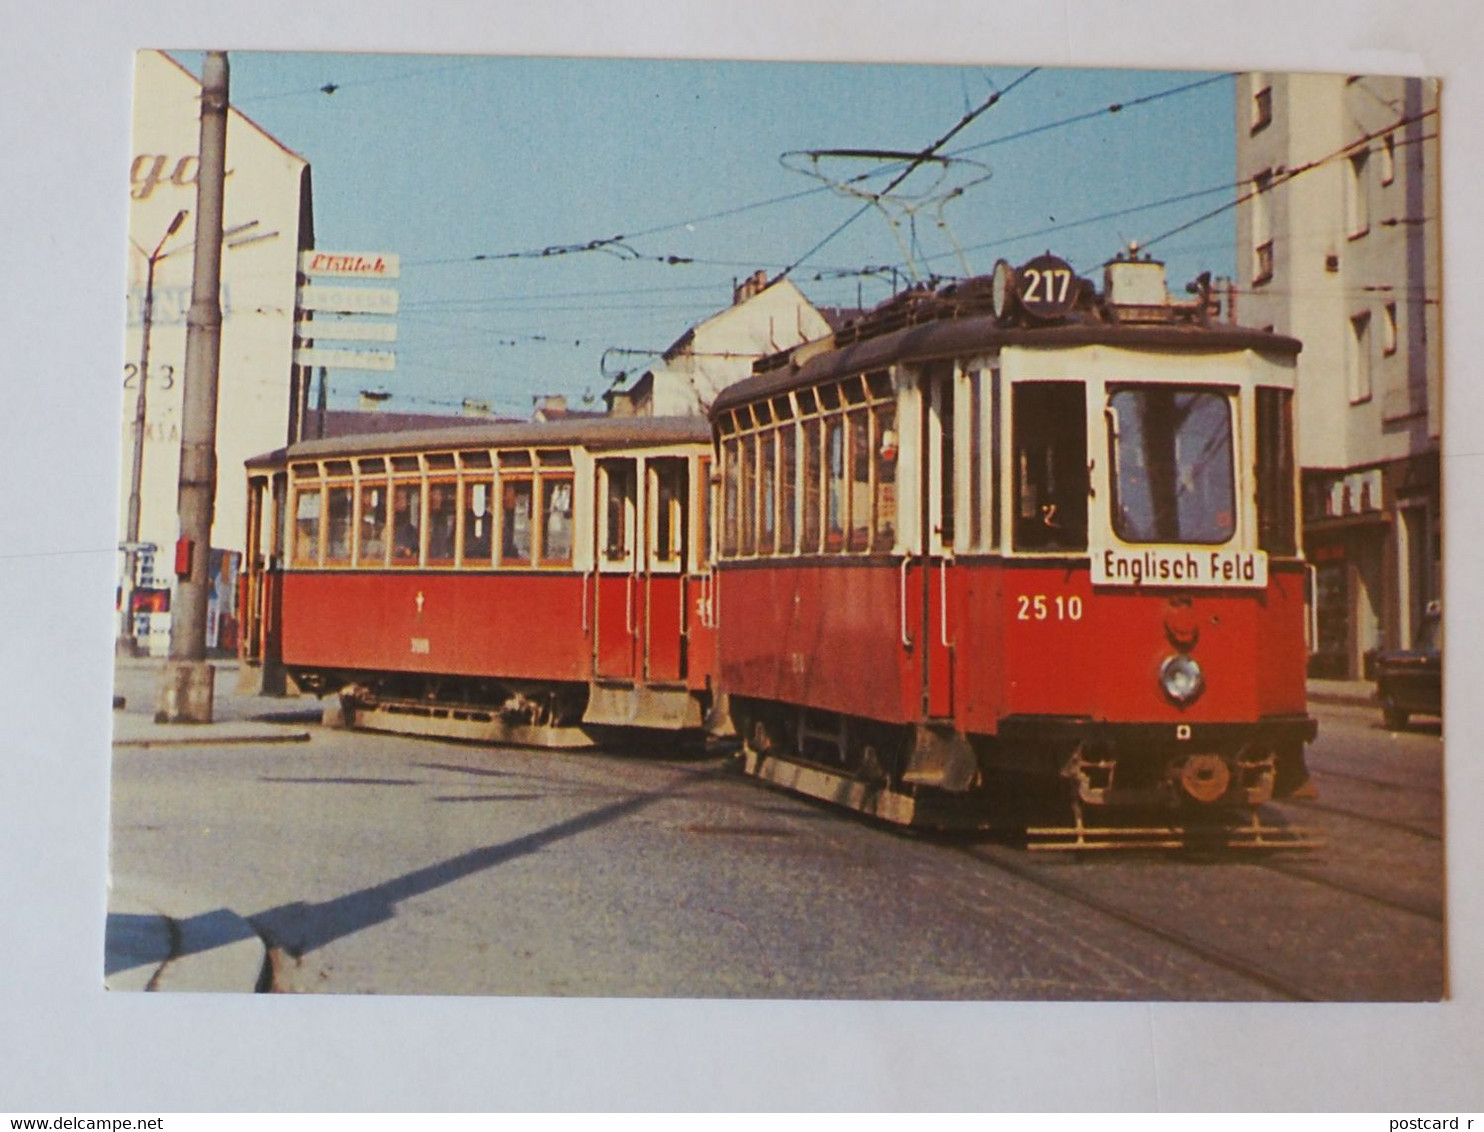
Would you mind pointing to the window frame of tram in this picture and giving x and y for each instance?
(807, 472)
(1276, 487)
(476, 505)
(441, 510)
(307, 527)
(339, 508)
(1059, 432)
(667, 517)
(1200, 518)
(431, 511)
(543, 480)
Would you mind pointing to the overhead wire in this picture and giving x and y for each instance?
(912, 165)
(609, 244)
(1283, 177)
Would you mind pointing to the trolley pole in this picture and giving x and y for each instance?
(127, 644)
(186, 690)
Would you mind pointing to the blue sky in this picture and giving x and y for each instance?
(442, 159)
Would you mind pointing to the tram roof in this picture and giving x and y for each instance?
(953, 337)
(604, 433)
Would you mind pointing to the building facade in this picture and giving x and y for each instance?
(267, 220)
(1339, 244)
(764, 318)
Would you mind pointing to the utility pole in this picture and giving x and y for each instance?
(186, 690)
(127, 645)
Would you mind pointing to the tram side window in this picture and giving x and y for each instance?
(731, 489)
(478, 523)
(812, 433)
(306, 527)
(515, 528)
(859, 424)
(787, 488)
(767, 491)
(371, 545)
(406, 521)
(442, 522)
(338, 525)
(885, 456)
(621, 498)
(1051, 481)
(1275, 508)
(749, 494)
(556, 520)
(669, 525)
(834, 444)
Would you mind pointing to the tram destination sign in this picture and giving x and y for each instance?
(1180, 566)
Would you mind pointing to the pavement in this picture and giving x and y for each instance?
(158, 940)
(1356, 693)
(168, 940)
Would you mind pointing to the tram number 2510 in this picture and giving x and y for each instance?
(1039, 607)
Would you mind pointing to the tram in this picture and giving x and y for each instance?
(532, 583)
(1015, 533)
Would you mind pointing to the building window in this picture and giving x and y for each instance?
(1262, 228)
(1388, 331)
(1262, 104)
(1358, 359)
(1357, 195)
(1388, 159)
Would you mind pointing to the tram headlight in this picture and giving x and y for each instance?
(1182, 679)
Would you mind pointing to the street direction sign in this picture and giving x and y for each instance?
(348, 300)
(381, 360)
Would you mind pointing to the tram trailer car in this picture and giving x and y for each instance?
(522, 583)
(1013, 531)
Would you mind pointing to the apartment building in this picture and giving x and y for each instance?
(1340, 244)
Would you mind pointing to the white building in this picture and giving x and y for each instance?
(763, 319)
(267, 219)
(1339, 245)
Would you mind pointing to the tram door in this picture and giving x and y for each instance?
(937, 539)
(618, 597)
(666, 492)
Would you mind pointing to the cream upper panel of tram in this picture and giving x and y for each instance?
(1232, 560)
(1104, 365)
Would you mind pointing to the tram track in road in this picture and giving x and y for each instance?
(1411, 908)
(1009, 861)
(1372, 819)
(1382, 783)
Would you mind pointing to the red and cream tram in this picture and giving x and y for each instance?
(1014, 531)
(505, 582)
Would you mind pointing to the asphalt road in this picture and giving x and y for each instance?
(385, 864)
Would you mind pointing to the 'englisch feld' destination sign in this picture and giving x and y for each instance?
(1179, 567)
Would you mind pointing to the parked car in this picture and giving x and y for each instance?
(1411, 680)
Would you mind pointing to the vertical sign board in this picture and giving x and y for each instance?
(334, 293)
